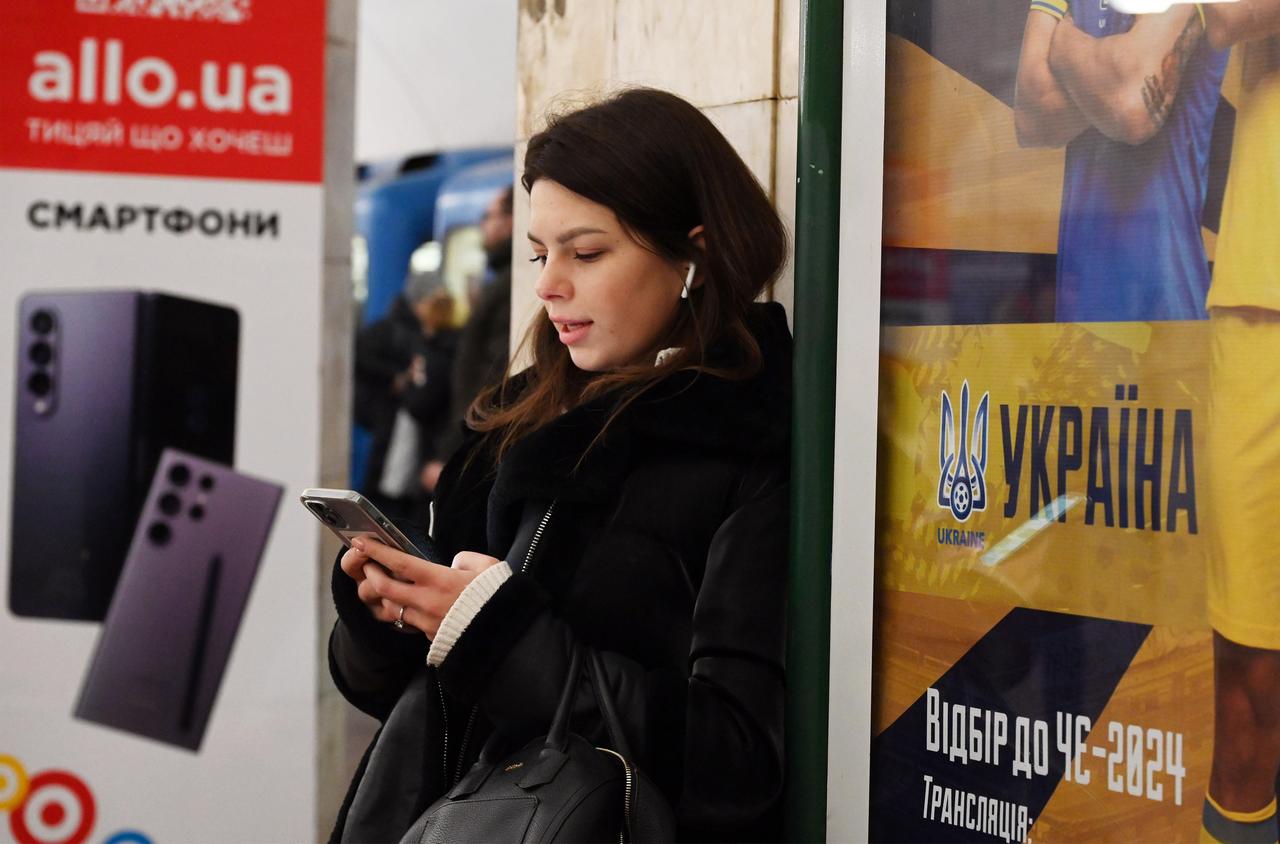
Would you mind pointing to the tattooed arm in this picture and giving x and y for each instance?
(1043, 114)
(1246, 20)
(1126, 84)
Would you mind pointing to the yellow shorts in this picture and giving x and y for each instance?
(1244, 475)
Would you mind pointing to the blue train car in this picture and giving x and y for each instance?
(460, 207)
(423, 209)
(395, 214)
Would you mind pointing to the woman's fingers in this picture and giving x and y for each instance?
(426, 605)
(402, 566)
(473, 561)
(388, 579)
(353, 562)
(389, 588)
(412, 618)
(391, 595)
(367, 592)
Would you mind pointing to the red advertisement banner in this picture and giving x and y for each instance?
(218, 88)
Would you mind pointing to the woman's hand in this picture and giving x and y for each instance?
(388, 579)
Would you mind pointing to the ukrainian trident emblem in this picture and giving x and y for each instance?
(962, 486)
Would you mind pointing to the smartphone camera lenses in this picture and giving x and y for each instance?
(42, 322)
(40, 383)
(41, 353)
(170, 504)
(326, 515)
(159, 533)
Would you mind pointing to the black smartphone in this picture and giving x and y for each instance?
(106, 380)
(167, 638)
(349, 514)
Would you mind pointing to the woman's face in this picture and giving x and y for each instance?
(610, 299)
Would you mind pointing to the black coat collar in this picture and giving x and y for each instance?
(687, 411)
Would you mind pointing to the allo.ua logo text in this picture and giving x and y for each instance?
(962, 485)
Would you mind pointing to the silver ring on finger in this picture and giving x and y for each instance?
(399, 622)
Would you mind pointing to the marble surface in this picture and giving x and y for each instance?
(784, 191)
(749, 127)
(788, 48)
(711, 52)
(564, 51)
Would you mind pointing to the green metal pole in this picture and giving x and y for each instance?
(813, 438)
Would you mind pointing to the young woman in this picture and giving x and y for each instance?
(627, 492)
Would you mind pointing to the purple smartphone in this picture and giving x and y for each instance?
(106, 380)
(168, 635)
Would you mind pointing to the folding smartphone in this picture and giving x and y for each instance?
(168, 635)
(105, 381)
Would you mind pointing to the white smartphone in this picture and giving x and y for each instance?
(349, 514)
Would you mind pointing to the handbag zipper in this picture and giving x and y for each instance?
(626, 793)
(475, 710)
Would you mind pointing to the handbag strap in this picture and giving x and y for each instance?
(604, 700)
(588, 659)
(558, 736)
(581, 658)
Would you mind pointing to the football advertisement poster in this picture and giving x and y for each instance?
(1077, 626)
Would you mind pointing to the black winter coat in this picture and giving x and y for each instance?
(666, 550)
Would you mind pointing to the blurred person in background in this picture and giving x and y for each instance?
(403, 367)
(484, 348)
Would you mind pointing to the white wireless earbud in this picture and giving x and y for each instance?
(688, 280)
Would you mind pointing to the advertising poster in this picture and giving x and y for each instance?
(1077, 627)
(161, 260)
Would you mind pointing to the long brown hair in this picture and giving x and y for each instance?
(662, 167)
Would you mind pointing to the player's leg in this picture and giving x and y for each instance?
(1241, 805)
(1244, 574)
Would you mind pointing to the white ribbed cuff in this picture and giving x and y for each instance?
(464, 609)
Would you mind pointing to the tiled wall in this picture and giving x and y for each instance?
(737, 60)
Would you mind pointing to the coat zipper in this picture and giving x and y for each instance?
(475, 710)
(444, 710)
(537, 537)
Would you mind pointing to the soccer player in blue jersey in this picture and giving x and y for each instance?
(1133, 99)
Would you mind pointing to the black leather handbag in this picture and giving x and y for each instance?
(557, 788)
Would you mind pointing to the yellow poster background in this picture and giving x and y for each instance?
(1128, 574)
(956, 180)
